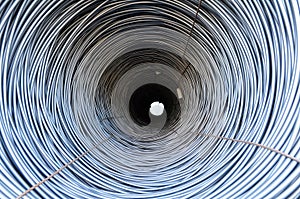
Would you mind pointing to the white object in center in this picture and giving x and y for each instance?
(157, 108)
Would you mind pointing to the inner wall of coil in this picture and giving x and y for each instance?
(155, 49)
(150, 69)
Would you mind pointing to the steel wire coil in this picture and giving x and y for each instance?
(68, 71)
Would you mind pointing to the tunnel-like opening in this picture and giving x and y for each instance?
(144, 96)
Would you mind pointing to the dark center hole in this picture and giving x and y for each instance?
(142, 98)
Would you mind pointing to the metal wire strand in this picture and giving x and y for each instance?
(85, 153)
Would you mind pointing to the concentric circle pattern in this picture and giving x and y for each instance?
(69, 69)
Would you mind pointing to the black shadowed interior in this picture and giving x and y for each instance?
(144, 96)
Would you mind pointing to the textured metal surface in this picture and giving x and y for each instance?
(67, 71)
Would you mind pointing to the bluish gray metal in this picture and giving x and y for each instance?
(55, 104)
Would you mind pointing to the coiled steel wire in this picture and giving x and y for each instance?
(68, 69)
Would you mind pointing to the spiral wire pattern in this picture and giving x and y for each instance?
(68, 70)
